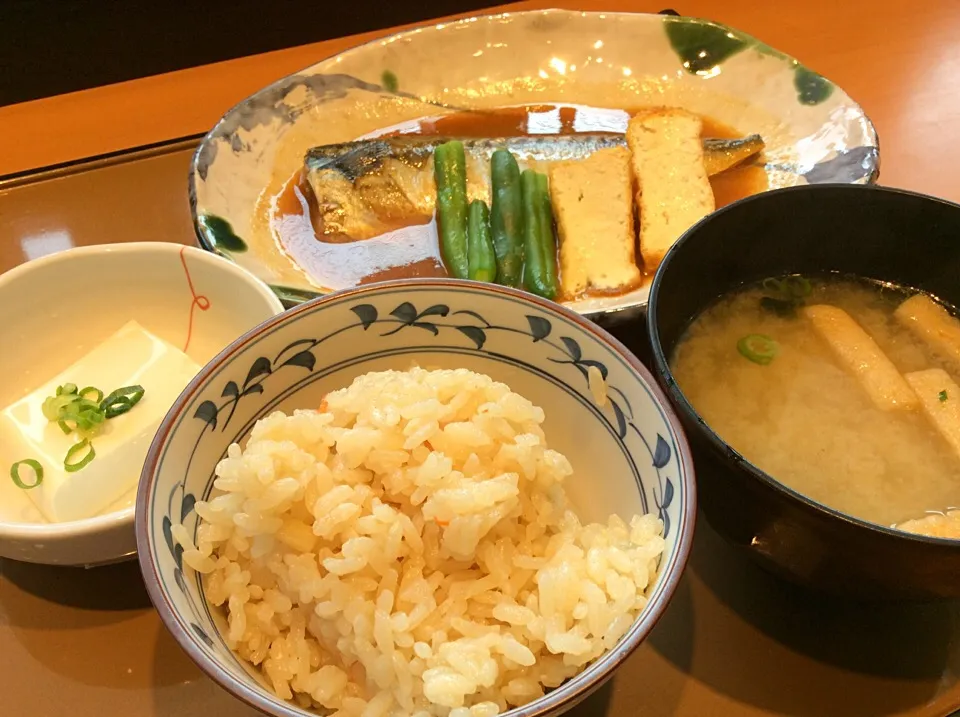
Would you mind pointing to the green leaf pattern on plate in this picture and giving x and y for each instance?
(702, 47)
(389, 81)
(221, 234)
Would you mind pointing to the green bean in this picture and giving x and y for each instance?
(506, 217)
(450, 170)
(540, 260)
(547, 237)
(481, 259)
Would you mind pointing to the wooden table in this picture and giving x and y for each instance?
(899, 60)
(735, 641)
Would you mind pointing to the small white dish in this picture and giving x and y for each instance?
(55, 309)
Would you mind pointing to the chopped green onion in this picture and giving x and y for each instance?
(942, 395)
(84, 391)
(120, 405)
(73, 450)
(67, 389)
(758, 348)
(37, 472)
(797, 287)
(774, 286)
(83, 411)
(121, 401)
(84, 419)
(52, 405)
(786, 295)
(781, 307)
(85, 404)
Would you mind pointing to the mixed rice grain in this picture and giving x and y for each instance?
(408, 550)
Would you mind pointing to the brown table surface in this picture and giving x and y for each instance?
(898, 59)
(735, 641)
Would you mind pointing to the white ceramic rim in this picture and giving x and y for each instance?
(98, 523)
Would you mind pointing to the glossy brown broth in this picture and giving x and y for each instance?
(414, 249)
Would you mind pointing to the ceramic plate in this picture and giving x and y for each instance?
(813, 130)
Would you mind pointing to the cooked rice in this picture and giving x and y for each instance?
(597, 385)
(408, 550)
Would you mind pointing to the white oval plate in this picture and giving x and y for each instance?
(813, 130)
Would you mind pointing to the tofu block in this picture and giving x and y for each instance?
(593, 205)
(130, 356)
(940, 400)
(936, 525)
(932, 324)
(673, 190)
(860, 355)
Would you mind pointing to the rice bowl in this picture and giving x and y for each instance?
(409, 549)
(601, 410)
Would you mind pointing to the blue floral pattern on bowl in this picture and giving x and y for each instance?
(541, 351)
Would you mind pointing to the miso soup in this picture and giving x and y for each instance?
(843, 390)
